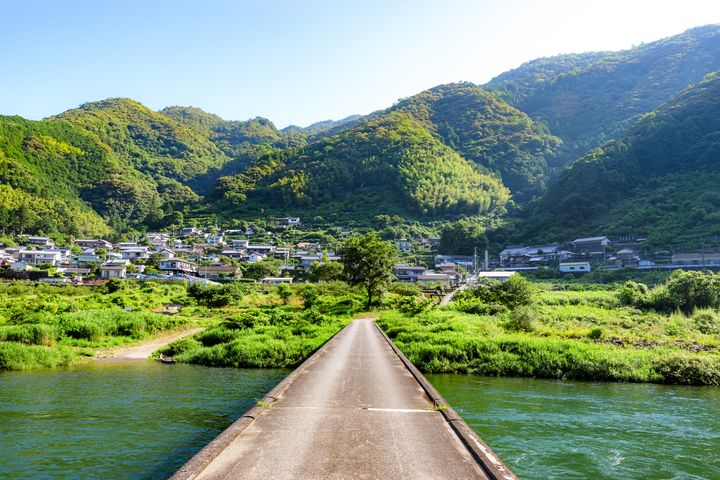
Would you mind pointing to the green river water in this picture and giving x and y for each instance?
(549, 429)
(142, 420)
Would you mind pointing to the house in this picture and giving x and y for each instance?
(436, 278)
(307, 245)
(93, 243)
(446, 267)
(254, 257)
(87, 259)
(499, 276)
(215, 240)
(626, 257)
(520, 256)
(282, 253)
(276, 280)
(135, 253)
(238, 243)
(157, 237)
(696, 259)
(238, 254)
(75, 272)
(574, 267)
(114, 269)
(20, 266)
(591, 245)
(306, 261)
(190, 231)
(122, 245)
(177, 266)
(404, 245)
(41, 257)
(43, 242)
(217, 271)
(646, 264)
(261, 249)
(408, 273)
(467, 261)
(287, 221)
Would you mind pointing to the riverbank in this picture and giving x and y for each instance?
(561, 334)
(44, 326)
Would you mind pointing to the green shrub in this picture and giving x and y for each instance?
(478, 307)
(83, 330)
(689, 369)
(413, 305)
(707, 321)
(634, 294)
(513, 293)
(596, 333)
(405, 289)
(523, 319)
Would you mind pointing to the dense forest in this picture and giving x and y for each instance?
(613, 142)
(659, 180)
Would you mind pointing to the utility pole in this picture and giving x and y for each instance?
(475, 264)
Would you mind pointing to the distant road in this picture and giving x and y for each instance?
(354, 411)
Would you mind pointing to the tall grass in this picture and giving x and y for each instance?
(439, 341)
(19, 356)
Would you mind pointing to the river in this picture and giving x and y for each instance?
(118, 420)
(549, 429)
(142, 420)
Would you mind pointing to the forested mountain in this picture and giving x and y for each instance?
(660, 180)
(450, 151)
(488, 131)
(588, 99)
(387, 163)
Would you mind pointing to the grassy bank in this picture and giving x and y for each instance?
(584, 335)
(280, 328)
(50, 326)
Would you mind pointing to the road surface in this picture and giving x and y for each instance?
(356, 413)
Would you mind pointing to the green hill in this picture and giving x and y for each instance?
(387, 164)
(588, 99)
(659, 180)
(483, 128)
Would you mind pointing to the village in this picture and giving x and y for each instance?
(222, 255)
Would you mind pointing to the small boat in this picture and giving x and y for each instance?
(166, 359)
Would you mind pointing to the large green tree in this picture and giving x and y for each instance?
(368, 261)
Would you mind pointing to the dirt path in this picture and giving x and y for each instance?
(144, 350)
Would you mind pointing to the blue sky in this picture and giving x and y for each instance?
(297, 62)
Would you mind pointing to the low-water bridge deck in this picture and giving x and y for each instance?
(356, 409)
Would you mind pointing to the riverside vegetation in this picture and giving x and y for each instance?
(617, 332)
(669, 334)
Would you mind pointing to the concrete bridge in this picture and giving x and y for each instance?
(356, 409)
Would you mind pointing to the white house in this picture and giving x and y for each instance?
(41, 257)
(135, 253)
(574, 267)
(114, 269)
(176, 265)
